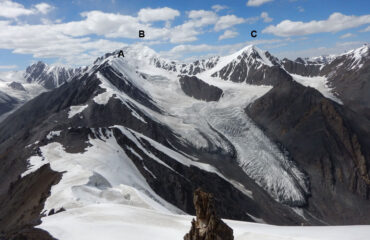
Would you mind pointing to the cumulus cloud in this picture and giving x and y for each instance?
(79, 42)
(256, 3)
(218, 7)
(347, 35)
(228, 34)
(44, 41)
(338, 48)
(335, 23)
(265, 17)
(201, 18)
(228, 21)
(10, 9)
(2, 67)
(366, 29)
(212, 50)
(44, 8)
(157, 14)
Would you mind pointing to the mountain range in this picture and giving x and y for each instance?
(276, 141)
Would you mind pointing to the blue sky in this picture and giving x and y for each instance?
(76, 32)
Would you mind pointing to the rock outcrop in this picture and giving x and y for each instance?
(207, 226)
(194, 87)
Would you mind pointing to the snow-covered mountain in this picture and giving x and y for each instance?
(14, 94)
(49, 76)
(18, 87)
(343, 77)
(132, 137)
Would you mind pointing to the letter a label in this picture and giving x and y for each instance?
(120, 54)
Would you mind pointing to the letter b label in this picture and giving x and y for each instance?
(141, 33)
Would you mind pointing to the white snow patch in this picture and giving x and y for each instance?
(34, 163)
(53, 134)
(319, 83)
(76, 110)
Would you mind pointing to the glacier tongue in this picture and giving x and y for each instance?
(260, 158)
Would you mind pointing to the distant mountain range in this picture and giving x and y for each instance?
(276, 141)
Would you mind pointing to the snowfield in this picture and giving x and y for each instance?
(116, 222)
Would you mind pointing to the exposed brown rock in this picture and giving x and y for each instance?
(22, 205)
(207, 226)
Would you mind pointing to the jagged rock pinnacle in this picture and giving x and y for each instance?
(207, 226)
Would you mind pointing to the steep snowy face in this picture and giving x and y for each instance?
(357, 57)
(49, 76)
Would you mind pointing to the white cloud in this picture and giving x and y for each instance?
(218, 7)
(8, 67)
(44, 8)
(265, 17)
(366, 29)
(228, 34)
(256, 3)
(335, 23)
(347, 35)
(228, 21)
(10, 9)
(339, 47)
(201, 18)
(49, 43)
(70, 42)
(300, 9)
(178, 51)
(157, 14)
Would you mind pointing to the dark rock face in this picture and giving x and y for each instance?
(301, 67)
(194, 87)
(207, 226)
(17, 86)
(328, 141)
(7, 103)
(21, 206)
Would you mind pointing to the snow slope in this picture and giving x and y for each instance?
(319, 83)
(138, 223)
